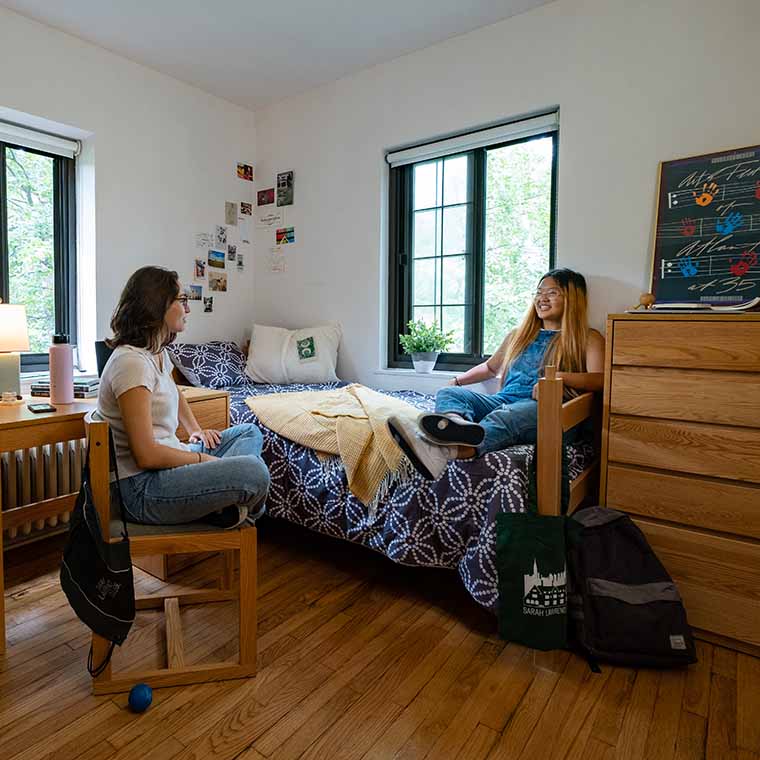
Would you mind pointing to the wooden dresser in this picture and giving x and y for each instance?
(681, 452)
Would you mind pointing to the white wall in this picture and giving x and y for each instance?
(636, 81)
(164, 163)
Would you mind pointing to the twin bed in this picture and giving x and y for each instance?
(447, 523)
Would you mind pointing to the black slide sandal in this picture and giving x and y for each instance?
(444, 430)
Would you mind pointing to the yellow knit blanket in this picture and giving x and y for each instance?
(349, 422)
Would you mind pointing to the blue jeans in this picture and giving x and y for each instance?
(192, 491)
(507, 420)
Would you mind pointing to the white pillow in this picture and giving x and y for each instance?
(308, 355)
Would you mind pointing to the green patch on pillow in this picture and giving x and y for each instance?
(306, 348)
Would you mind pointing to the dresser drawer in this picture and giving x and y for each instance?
(718, 578)
(729, 398)
(721, 505)
(732, 453)
(692, 344)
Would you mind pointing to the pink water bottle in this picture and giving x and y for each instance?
(61, 371)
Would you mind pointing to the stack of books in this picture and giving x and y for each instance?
(85, 386)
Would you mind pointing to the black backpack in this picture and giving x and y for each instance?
(623, 607)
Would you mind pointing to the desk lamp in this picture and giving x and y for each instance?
(14, 337)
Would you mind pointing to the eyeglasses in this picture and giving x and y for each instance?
(552, 294)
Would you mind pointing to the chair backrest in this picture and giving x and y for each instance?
(102, 352)
(100, 467)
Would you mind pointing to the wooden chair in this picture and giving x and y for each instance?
(175, 539)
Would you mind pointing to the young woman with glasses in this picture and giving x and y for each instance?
(466, 423)
(218, 477)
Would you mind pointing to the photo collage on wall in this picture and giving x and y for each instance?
(222, 250)
(271, 203)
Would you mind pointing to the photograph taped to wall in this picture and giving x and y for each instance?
(199, 269)
(194, 292)
(244, 228)
(246, 209)
(204, 240)
(240, 262)
(208, 304)
(217, 281)
(265, 197)
(245, 171)
(231, 252)
(285, 236)
(707, 228)
(221, 235)
(216, 259)
(285, 188)
(230, 213)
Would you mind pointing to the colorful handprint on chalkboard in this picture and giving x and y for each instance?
(757, 190)
(688, 267)
(705, 198)
(746, 262)
(730, 223)
(688, 226)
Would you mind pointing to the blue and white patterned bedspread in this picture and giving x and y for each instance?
(449, 522)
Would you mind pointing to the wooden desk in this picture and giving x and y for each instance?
(22, 430)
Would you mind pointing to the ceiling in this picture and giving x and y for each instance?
(253, 53)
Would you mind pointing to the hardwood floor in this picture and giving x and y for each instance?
(358, 658)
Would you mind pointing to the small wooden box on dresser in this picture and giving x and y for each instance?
(681, 453)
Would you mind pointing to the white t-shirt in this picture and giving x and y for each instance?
(130, 367)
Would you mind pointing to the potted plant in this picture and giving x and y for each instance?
(424, 342)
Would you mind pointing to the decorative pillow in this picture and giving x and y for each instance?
(215, 364)
(308, 355)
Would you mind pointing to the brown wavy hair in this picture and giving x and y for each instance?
(567, 349)
(138, 319)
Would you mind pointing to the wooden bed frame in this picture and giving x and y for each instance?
(555, 418)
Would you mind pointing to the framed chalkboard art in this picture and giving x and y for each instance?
(707, 233)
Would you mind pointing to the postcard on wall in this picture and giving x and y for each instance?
(194, 292)
(267, 219)
(285, 188)
(199, 270)
(208, 304)
(215, 260)
(221, 235)
(240, 263)
(276, 261)
(244, 227)
(246, 209)
(285, 236)
(245, 171)
(217, 281)
(231, 252)
(230, 213)
(204, 240)
(265, 197)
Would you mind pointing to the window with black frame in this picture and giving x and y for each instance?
(472, 222)
(38, 243)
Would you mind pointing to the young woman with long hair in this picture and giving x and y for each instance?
(466, 423)
(218, 477)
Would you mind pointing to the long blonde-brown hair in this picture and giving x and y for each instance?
(567, 349)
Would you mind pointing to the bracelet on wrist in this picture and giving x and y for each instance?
(456, 381)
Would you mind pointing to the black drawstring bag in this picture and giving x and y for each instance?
(96, 576)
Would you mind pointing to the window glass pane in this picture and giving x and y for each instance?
(30, 242)
(426, 282)
(425, 233)
(454, 279)
(455, 229)
(427, 185)
(517, 234)
(427, 314)
(455, 180)
(453, 319)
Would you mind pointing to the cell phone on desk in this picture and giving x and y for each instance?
(40, 408)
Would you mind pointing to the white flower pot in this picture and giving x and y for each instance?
(424, 362)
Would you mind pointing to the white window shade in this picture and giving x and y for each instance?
(29, 138)
(480, 139)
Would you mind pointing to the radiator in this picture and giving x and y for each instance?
(31, 475)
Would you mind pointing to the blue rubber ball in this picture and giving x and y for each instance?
(140, 697)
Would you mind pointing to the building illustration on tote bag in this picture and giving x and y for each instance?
(545, 591)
